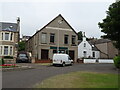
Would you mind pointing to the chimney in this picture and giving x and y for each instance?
(18, 28)
(18, 24)
(84, 37)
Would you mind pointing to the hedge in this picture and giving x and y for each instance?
(2, 62)
(8, 57)
(117, 61)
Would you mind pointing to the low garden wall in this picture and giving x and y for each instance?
(99, 61)
(9, 61)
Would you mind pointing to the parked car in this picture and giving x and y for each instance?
(23, 57)
(62, 59)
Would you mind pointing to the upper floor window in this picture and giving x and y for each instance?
(52, 38)
(11, 36)
(73, 39)
(2, 36)
(6, 36)
(84, 44)
(44, 38)
(65, 39)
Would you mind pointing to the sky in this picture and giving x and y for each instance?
(82, 15)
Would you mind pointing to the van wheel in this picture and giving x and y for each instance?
(63, 64)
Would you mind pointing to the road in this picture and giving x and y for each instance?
(28, 78)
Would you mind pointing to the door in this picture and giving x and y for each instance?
(72, 54)
(44, 54)
(85, 54)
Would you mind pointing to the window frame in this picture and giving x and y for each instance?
(11, 50)
(8, 37)
(45, 41)
(11, 36)
(93, 54)
(6, 50)
(84, 44)
(73, 39)
(52, 35)
(66, 37)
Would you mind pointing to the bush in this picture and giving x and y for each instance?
(8, 57)
(2, 62)
(117, 61)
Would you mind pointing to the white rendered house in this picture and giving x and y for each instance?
(87, 49)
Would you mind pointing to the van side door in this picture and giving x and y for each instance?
(69, 60)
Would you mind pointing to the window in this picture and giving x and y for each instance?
(2, 36)
(84, 44)
(5, 50)
(54, 51)
(65, 39)
(52, 38)
(6, 36)
(11, 36)
(11, 50)
(93, 54)
(73, 39)
(0, 50)
(44, 38)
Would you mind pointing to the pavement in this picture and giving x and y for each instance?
(29, 77)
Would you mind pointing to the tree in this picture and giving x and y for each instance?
(111, 24)
(21, 46)
(80, 35)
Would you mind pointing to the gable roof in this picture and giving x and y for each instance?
(100, 41)
(93, 46)
(5, 26)
(52, 21)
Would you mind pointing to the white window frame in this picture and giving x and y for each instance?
(1, 50)
(9, 36)
(44, 37)
(10, 51)
(6, 50)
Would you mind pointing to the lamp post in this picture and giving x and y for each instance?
(59, 22)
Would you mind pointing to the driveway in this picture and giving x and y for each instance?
(30, 77)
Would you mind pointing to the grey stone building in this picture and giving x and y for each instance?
(106, 48)
(56, 36)
(9, 37)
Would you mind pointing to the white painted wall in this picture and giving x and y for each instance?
(100, 61)
(97, 54)
(88, 49)
(81, 49)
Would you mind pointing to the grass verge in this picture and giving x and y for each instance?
(81, 80)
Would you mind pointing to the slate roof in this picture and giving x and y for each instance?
(93, 46)
(4, 26)
(100, 41)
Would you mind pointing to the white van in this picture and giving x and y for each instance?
(62, 59)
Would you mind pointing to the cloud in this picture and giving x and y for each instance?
(34, 15)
